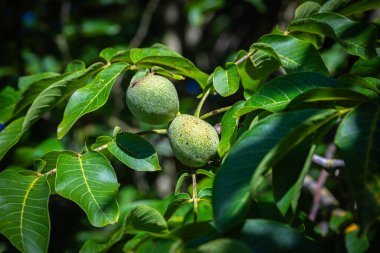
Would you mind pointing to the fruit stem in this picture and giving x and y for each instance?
(214, 112)
(154, 131)
(245, 57)
(199, 107)
(195, 197)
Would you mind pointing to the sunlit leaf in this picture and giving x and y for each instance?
(91, 97)
(8, 99)
(89, 181)
(10, 135)
(226, 81)
(178, 201)
(24, 215)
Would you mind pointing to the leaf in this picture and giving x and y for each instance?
(135, 152)
(258, 149)
(195, 234)
(205, 194)
(224, 245)
(328, 94)
(30, 93)
(177, 65)
(178, 201)
(8, 99)
(359, 83)
(354, 241)
(154, 244)
(289, 174)
(89, 181)
(229, 126)
(265, 236)
(364, 67)
(293, 54)
(164, 72)
(10, 135)
(250, 78)
(101, 141)
(24, 215)
(138, 54)
(226, 82)
(57, 92)
(51, 158)
(74, 66)
(180, 182)
(25, 81)
(207, 173)
(306, 9)
(145, 218)
(108, 53)
(278, 93)
(133, 244)
(90, 98)
(348, 7)
(357, 38)
(358, 139)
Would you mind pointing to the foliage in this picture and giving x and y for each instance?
(291, 109)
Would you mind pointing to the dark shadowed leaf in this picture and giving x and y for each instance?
(306, 9)
(357, 38)
(8, 99)
(265, 236)
(364, 67)
(145, 218)
(25, 81)
(180, 182)
(89, 181)
(255, 151)
(358, 140)
(91, 97)
(24, 215)
(224, 245)
(135, 152)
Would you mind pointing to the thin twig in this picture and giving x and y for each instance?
(214, 112)
(320, 184)
(199, 107)
(100, 148)
(195, 196)
(327, 164)
(239, 61)
(143, 28)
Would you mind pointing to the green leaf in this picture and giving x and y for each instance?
(164, 72)
(205, 194)
(229, 126)
(91, 97)
(145, 218)
(250, 78)
(357, 38)
(278, 93)
(226, 81)
(306, 9)
(358, 139)
(33, 89)
(224, 245)
(10, 135)
(8, 99)
(108, 53)
(153, 245)
(328, 94)
(25, 81)
(258, 149)
(265, 236)
(363, 67)
(354, 241)
(293, 54)
(57, 92)
(357, 82)
(289, 174)
(133, 244)
(177, 65)
(51, 158)
(24, 215)
(138, 54)
(348, 7)
(101, 141)
(195, 234)
(207, 173)
(180, 182)
(89, 181)
(74, 66)
(178, 201)
(135, 152)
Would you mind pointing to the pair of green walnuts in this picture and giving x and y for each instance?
(153, 99)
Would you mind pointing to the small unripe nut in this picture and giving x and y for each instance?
(194, 141)
(153, 99)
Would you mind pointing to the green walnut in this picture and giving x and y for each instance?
(153, 99)
(193, 140)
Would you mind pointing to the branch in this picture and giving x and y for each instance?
(214, 112)
(142, 30)
(199, 107)
(328, 163)
(154, 131)
(245, 57)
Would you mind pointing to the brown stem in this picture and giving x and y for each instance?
(214, 112)
(195, 196)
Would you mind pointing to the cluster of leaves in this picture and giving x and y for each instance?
(267, 144)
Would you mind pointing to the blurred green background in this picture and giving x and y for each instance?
(43, 36)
